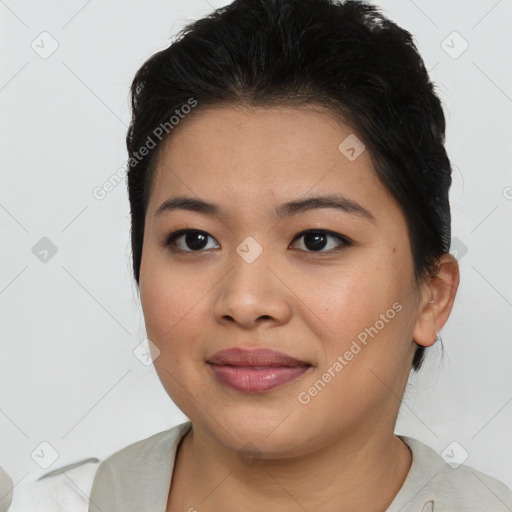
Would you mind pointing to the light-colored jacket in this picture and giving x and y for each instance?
(65, 489)
(137, 479)
(5, 490)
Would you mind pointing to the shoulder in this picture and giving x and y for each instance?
(451, 486)
(138, 473)
(141, 450)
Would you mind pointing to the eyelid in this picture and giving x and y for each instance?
(170, 239)
(324, 231)
(346, 242)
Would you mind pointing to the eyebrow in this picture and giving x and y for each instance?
(286, 209)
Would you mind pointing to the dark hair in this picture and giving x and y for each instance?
(342, 55)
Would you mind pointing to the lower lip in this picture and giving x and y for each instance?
(256, 380)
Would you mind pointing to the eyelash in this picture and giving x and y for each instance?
(345, 242)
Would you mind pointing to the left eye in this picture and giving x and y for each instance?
(316, 241)
(193, 238)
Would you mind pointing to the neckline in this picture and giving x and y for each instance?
(413, 483)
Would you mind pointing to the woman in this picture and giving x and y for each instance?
(289, 187)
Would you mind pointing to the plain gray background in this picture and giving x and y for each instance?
(70, 324)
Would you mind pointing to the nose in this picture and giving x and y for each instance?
(253, 293)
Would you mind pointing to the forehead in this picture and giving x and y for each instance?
(259, 154)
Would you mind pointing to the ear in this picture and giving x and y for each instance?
(441, 289)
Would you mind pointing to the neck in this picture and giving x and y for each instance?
(360, 471)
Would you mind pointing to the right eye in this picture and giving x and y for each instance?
(194, 239)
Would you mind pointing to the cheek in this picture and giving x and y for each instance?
(360, 319)
(173, 308)
(362, 305)
(174, 316)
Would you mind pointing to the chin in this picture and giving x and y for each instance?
(271, 433)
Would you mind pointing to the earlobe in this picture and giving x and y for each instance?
(437, 301)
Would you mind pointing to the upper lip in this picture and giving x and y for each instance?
(254, 357)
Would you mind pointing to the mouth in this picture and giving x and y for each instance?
(257, 370)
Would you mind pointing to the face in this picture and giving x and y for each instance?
(326, 284)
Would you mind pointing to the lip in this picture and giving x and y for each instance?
(256, 370)
(254, 357)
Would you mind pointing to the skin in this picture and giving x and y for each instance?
(338, 452)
